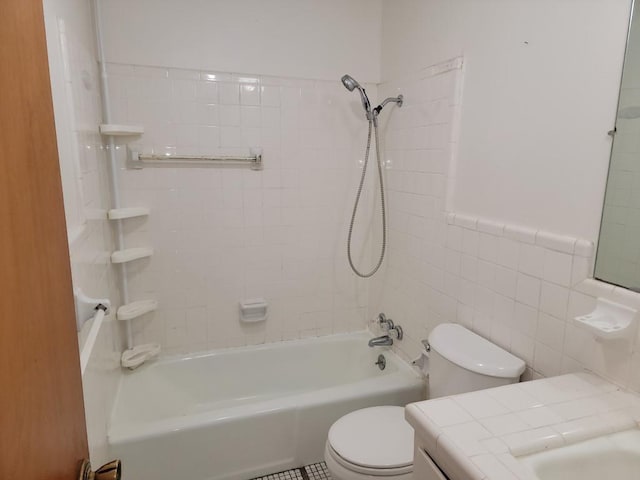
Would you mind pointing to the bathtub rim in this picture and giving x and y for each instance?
(404, 377)
(344, 336)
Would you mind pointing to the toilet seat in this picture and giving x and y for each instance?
(360, 470)
(373, 441)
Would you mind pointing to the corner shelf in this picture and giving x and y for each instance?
(130, 254)
(130, 212)
(117, 130)
(136, 356)
(136, 309)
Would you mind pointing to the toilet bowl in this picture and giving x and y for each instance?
(370, 443)
(377, 442)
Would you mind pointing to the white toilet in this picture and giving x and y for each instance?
(378, 442)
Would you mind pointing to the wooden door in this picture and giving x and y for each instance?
(42, 426)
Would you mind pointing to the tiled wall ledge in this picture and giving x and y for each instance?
(581, 278)
(552, 241)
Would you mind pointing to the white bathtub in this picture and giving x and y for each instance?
(236, 414)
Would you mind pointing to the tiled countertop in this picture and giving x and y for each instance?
(475, 436)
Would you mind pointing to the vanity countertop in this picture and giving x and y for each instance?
(475, 436)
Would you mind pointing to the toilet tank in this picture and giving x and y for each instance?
(461, 361)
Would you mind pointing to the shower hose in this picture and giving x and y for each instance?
(372, 126)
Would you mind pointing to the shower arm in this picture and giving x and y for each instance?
(399, 100)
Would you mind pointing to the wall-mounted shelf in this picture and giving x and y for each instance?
(136, 356)
(609, 321)
(136, 309)
(130, 254)
(130, 212)
(116, 130)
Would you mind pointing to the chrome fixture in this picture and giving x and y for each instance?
(372, 116)
(382, 362)
(384, 322)
(138, 160)
(399, 100)
(393, 332)
(396, 332)
(350, 84)
(382, 341)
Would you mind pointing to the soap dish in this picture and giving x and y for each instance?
(608, 321)
(254, 310)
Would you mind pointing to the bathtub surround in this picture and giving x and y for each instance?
(223, 235)
(76, 98)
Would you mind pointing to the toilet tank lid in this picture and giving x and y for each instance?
(471, 351)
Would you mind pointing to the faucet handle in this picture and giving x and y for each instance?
(396, 332)
(384, 322)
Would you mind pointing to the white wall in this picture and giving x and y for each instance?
(76, 101)
(318, 39)
(541, 86)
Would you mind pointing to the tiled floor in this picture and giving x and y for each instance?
(316, 471)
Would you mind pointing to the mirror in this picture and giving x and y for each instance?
(618, 257)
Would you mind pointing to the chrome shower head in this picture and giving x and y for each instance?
(350, 84)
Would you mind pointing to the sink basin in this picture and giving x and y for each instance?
(615, 456)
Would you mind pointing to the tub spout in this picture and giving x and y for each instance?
(383, 341)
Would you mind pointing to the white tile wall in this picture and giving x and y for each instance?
(226, 234)
(417, 287)
(77, 111)
(515, 285)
